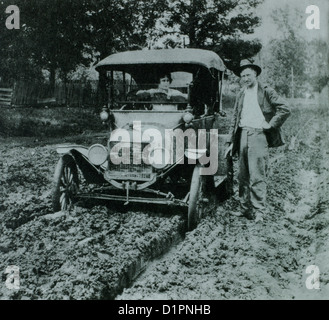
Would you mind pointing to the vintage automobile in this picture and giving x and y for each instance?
(162, 146)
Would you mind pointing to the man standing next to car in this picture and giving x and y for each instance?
(258, 115)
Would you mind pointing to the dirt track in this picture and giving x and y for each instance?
(83, 254)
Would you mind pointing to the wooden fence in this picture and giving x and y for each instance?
(6, 97)
(31, 94)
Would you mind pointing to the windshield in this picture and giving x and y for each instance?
(166, 91)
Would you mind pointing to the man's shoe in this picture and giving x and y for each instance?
(247, 213)
(236, 213)
(259, 217)
(243, 213)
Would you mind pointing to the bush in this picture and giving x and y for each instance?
(48, 122)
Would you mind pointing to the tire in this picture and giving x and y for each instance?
(197, 201)
(65, 184)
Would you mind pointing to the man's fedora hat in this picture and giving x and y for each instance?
(248, 63)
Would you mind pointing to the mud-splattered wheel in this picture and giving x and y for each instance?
(66, 184)
(197, 199)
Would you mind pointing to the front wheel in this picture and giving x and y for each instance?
(66, 184)
(197, 199)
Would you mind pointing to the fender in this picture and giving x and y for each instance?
(67, 147)
(92, 173)
(195, 154)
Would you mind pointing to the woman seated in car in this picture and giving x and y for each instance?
(163, 88)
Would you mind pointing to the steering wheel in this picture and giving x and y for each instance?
(160, 97)
(132, 106)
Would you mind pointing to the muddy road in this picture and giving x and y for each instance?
(102, 252)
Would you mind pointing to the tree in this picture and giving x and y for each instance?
(51, 37)
(15, 55)
(286, 69)
(295, 66)
(122, 24)
(56, 34)
(216, 25)
(317, 66)
(60, 35)
(287, 54)
(233, 50)
(210, 24)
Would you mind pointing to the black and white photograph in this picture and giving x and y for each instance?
(174, 151)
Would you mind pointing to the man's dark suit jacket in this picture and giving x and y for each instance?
(275, 111)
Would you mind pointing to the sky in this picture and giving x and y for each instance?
(268, 29)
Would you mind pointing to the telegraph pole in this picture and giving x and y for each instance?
(292, 82)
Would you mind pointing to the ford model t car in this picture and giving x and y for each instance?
(162, 146)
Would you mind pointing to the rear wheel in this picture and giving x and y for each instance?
(197, 199)
(66, 184)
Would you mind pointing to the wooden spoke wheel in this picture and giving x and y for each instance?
(66, 184)
(197, 199)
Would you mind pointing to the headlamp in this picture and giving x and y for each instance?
(104, 115)
(188, 117)
(97, 154)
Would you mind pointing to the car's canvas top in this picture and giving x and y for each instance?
(205, 58)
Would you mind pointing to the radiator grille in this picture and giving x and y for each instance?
(130, 171)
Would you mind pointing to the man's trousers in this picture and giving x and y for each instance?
(253, 164)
